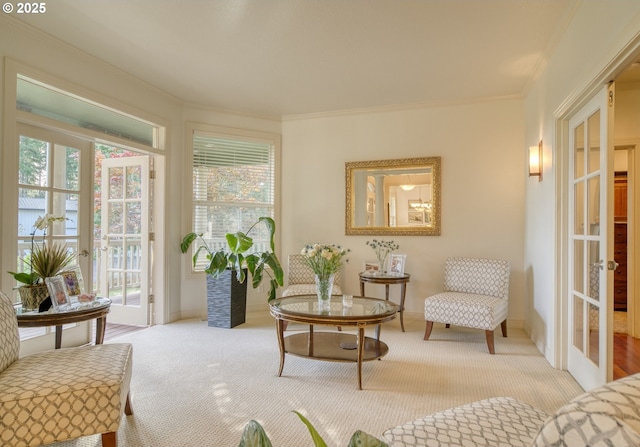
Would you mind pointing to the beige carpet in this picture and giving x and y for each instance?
(197, 386)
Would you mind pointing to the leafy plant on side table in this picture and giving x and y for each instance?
(235, 257)
(44, 261)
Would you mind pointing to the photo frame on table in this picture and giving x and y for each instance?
(371, 266)
(396, 264)
(57, 291)
(73, 280)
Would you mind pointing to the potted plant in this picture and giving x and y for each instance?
(44, 261)
(227, 269)
(254, 435)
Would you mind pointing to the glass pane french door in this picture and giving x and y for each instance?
(124, 250)
(588, 356)
(54, 177)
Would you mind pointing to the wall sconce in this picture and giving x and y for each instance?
(535, 161)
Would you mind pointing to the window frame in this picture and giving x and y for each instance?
(235, 134)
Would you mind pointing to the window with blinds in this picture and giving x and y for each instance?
(233, 186)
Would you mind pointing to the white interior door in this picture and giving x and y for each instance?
(124, 251)
(590, 288)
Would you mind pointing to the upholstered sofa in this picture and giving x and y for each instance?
(60, 394)
(605, 416)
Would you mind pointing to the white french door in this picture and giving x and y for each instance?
(54, 177)
(124, 251)
(590, 253)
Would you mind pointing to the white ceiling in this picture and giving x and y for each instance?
(288, 57)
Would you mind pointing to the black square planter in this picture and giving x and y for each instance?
(226, 300)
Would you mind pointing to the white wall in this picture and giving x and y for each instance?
(596, 35)
(482, 152)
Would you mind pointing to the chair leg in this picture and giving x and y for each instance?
(128, 409)
(489, 335)
(428, 329)
(109, 439)
(503, 325)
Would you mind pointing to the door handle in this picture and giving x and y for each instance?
(84, 253)
(612, 265)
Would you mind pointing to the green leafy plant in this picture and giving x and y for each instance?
(255, 436)
(44, 260)
(50, 260)
(235, 257)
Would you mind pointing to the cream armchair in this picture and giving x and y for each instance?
(476, 295)
(301, 279)
(62, 394)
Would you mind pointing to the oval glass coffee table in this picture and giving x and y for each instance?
(73, 313)
(332, 346)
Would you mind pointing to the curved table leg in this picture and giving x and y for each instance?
(360, 353)
(101, 325)
(403, 292)
(58, 336)
(280, 334)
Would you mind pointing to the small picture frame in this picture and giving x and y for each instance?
(416, 217)
(73, 280)
(396, 264)
(371, 267)
(57, 291)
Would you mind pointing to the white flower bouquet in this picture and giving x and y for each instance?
(324, 259)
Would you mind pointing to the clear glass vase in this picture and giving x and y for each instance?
(324, 287)
(382, 259)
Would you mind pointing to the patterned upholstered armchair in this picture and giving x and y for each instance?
(62, 394)
(476, 295)
(608, 415)
(301, 280)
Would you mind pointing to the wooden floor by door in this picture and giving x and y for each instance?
(626, 355)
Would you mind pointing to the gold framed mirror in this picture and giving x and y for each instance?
(393, 197)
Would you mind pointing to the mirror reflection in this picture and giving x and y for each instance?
(388, 197)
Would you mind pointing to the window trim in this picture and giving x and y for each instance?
(232, 133)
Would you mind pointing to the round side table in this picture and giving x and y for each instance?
(75, 313)
(387, 279)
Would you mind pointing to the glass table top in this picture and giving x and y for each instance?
(307, 305)
(73, 307)
(380, 275)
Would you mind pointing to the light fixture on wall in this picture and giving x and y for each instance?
(535, 161)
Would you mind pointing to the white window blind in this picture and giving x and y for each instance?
(233, 185)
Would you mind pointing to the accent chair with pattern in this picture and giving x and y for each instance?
(605, 416)
(301, 279)
(476, 295)
(60, 394)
